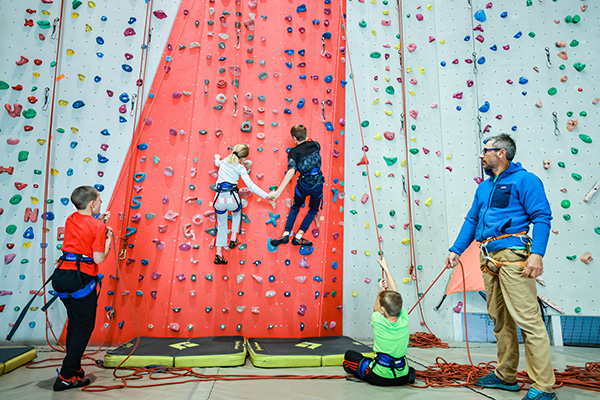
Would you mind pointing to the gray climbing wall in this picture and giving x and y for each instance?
(86, 71)
(459, 63)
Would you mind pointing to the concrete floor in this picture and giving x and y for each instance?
(25, 383)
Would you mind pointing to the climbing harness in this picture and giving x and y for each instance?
(226, 187)
(385, 360)
(499, 264)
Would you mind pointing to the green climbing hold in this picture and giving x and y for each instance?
(561, 164)
(569, 114)
(4, 85)
(529, 3)
(571, 257)
(413, 127)
(531, 34)
(390, 160)
(210, 22)
(576, 176)
(566, 217)
(222, 45)
(262, 97)
(568, 19)
(37, 171)
(287, 99)
(392, 213)
(416, 188)
(26, 260)
(333, 293)
(44, 24)
(576, 18)
(364, 173)
(379, 226)
(193, 278)
(578, 309)
(274, 123)
(579, 66)
(583, 113)
(156, 159)
(260, 149)
(419, 267)
(375, 54)
(11, 229)
(574, 150)
(246, 126)
(562, 66)
(342, 183)
(76, 4)
(33, 89)
(552, 91)
(597, 230)
(150, 215)
(23, 155)
(414, 151)
(50, 201)
(60, 130)
(390, 90)
(418, 227)
(585, 138)
(574, 43)
(203, 132)
(353, 212)
(192, 187)
(273, 188)
(365, 123)
(262, 76)
(30, 113)
(565, 204)
(16, 199)
(362, 23)
(17, 308)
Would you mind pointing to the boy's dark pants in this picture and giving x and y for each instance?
(353, 360)
(300, 194)
(82, 317)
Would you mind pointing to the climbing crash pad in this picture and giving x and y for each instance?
(13, 357)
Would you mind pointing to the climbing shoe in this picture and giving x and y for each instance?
(233, 244)
(80, 373)
(74, 382)
(535, 394)
(220, 260)
(492, 381)
(301, 242)
(281, 240)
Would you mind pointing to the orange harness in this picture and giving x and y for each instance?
(499, 264)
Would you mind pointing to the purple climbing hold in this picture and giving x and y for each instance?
(9, 258)
(185, 247)
(303, 263)
(156, 275)
(177, 94)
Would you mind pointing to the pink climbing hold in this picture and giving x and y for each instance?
(431, 39)
(367, 280)
(506, 47)
(332, 325)
(169, 171)
(455, 61)
(185, 247)
(335, 235)
(425, 150)
(413, 81)
(449, 168)
(129, 32)
(365, 198)
(489, 5)
(411, 47)
(478, 179)
(470, 82)
(300, 279)
(389, 135)
(160, 14)
(257, 278)
(128, 56)
(315, 233)
(303, 263)
(480, 38)
(9, 258)
(159, 244)
(148, 121)
(123, 109)
(419, 17)
(171, 216)
(457, 95)
(458, 307)
(174, 326)
(413, 113)
(478, 28)
(137, 217)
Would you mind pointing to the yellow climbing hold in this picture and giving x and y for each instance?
(377, 137)
(378, 187)
(374, 32)
(413, 138)
(429, 7)
(386, 12)
(411, 92)
(75, 14)
(367, 253)
(87, 159)
(36, 74)
(449, 156)
(45, 12)
(373, 2)
(34, 200)
(387, 79)
(74, 130)
(91, 4)
(422, 70)
(387, 112)
(428, 202)
(408, 70)
(367, 225)
(354, 294)
(81, 77)
(353, 197)
(397, 47)
(53, 171)
(88, 28)
(405, 241)
(376, 101)
(402, 163)
(378, 173)
(63, 102)
(406, 280)
(70, 52)
(41, 142)
(26, 245)
(442, 41)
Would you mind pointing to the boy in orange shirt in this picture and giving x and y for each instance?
(86, 244)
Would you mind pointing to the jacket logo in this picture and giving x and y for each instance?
(503, 187)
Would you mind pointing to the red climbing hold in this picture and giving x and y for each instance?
(363, 160)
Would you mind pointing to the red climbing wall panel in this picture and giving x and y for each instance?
(182, 130)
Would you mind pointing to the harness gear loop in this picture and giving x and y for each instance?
(499, 264)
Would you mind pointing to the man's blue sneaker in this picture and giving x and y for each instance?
(492, 381)
(534, 394)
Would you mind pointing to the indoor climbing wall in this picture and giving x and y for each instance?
(73, 67)
(231, 72)
(472, 70)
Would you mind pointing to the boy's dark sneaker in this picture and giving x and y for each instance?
(412, 375)
(281, 240)
(220, 260)
(301, 242)
(74, 382)
(233, 244)
(492, 381)
(80, 373)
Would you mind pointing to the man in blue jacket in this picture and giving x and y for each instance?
(505, 205)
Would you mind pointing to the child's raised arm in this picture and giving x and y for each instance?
(388, 276)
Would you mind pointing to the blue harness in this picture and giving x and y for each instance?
(383, 359)
(87, 289)
(228, 187)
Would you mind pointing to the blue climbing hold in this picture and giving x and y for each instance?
(64, 201)
(97, 79)
(344, 83)
(144, 261)
(334, 264)
(105, 132)
(523, 80)
(289, 29)
(102, 159)
(329, 126)
(73, 144)
(306, 250)
(514, 128)
(131, 20)
(328, 78)
(518, 35)
(121, 324)
(257, 263)
(122, 120)
(136, 202)
(327, 2)
(302, 76)
(301, 52)
(287, 294)
(481, 60)
(524, 93)
(139, 177)
(103, 18)
(467, 38)
(301, 103)
(272, 278)
(127, 68)
(124, 97)
(29, 233)
(494, 48)
(99, 40)
(326, 35)
(480, 16)
(70, 172)
(287, 111)
(168, 58)
(49, 216)
(288, 64)
(100, 55)
(301, 326)
(130, 231)
(288, 262)
(289, 52)
(317, 278)
(443, 63)
(504, 14)
(288, 87)
(335, 194)
(301, 8)
(272, 219)
(78, 104)
(32, 324)
(317, 294)
(99, 187)
(458, 108)
(485, 107)
(316, 22)
(142, 146)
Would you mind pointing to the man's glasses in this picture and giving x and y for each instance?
(488, 149)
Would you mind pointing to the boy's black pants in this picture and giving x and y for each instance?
(82, 317)
(353, 360)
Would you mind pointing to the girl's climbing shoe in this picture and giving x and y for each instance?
(220, 260)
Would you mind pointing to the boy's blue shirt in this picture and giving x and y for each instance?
(504, 205)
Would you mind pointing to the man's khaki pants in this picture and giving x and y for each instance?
(512, 301)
